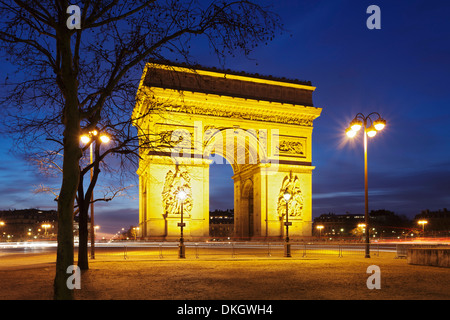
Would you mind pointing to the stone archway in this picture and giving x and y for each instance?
(262, 127)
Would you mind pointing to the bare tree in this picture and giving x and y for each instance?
(72, 81)
(48, 163)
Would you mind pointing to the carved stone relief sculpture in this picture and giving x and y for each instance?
(294, 147)
(290, 184)
(175, 182)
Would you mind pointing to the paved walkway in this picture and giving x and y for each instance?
(242, 278)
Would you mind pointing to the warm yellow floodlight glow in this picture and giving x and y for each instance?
(371, 132)
(356, 125)
(104, 139)
(319, 227)
(422, 222)
(85, 139)
(94, 132)
(379, 124)
(350, 133)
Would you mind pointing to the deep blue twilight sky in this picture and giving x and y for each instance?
(401, 71)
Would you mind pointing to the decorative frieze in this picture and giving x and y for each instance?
(242, 115)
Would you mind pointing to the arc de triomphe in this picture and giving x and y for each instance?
(261, 125)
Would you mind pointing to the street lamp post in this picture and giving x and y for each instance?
(93, 135)
(2, 223)
(320, 227)
(182, 196)
(423, 223)
(362, 226)
(287, 245)
(355, 125)
(46, 226)
(136, 229)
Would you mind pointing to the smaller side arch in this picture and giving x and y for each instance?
(246, 211)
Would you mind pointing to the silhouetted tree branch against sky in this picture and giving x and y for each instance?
(71, 81)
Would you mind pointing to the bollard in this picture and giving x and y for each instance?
(125, 252)
(160, 251)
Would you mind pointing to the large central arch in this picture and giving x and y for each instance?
(262, 127)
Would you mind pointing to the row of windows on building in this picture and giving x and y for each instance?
(221, 224)
(30, 224)
(384, 223)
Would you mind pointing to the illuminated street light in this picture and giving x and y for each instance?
(379, 124)
(135, 229)
(96, 228)
(85, 139)
(93, 135)
(182, 195)
(350, 132)
(46, 226)
(104, 138)
(370, 130)
(356, 124)
(423, 223)
(2, 223)
(287, 245)
(320, 227)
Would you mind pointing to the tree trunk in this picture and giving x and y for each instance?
(66, 199)
(83, 261)
(67, 80)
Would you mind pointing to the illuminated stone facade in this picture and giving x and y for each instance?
(262, 126)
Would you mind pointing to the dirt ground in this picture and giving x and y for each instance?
(312, 278)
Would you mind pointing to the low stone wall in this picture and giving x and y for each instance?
(438, 257)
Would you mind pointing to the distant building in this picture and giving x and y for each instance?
(221, 223)
(337, 224)
(18, 225)
(30, 224)
(438, 222)
(382, 224)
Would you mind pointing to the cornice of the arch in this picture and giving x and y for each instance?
(201, 104)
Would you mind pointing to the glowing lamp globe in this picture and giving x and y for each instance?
(379, 124)
(85, 139)
(350, 133)
(371, 132)
(182, 195)
(355, 125)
